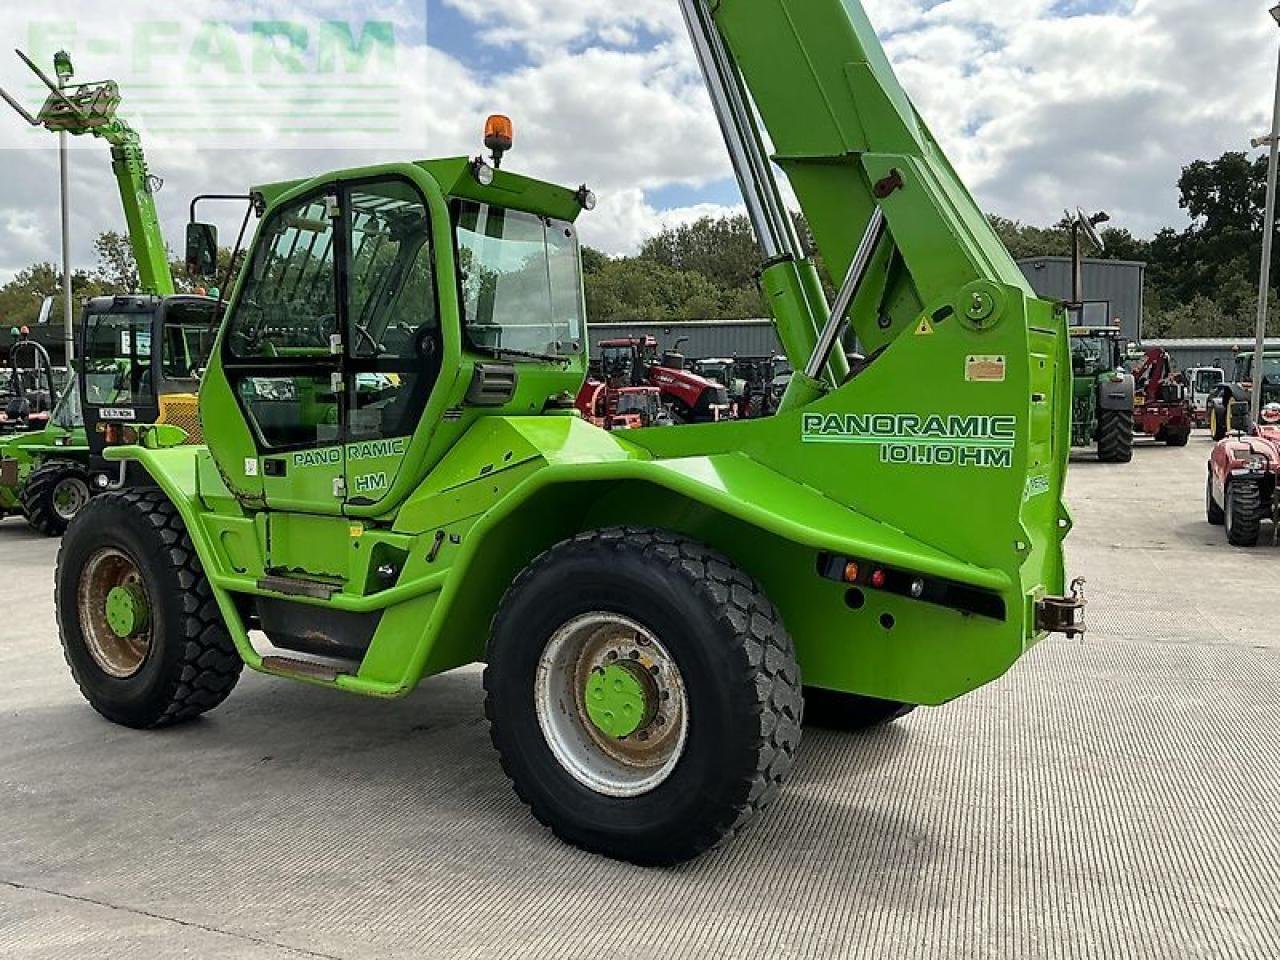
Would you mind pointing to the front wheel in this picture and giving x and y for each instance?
(55, 492)
(1242, 513)
(140, 629)
(1177, 438)
(642, 693)
(1213, 512)
(1217, 421)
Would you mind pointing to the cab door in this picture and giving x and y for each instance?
(283, 355)
(392, 330)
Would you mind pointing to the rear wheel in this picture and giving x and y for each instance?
(1213, 512)
(1115, 436)
(602, 652)
(55, 492)
(140, 629)
(1217, 421)
(1177, 438)
(1242, 513)
(849, 711)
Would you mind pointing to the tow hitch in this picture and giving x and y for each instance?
(1063, 614)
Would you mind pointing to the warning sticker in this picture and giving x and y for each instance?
(925, 329)
(985, 369)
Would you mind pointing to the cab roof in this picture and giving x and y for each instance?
(455, 177)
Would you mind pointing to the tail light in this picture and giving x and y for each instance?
(118, 434)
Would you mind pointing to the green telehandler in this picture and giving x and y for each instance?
(50, 475)
(396, 482)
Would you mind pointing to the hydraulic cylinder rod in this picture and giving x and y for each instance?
(836, 323)
(765, 209)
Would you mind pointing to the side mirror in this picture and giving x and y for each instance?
(202, 250)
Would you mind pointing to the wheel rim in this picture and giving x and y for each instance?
(611, 704)
(69, 497)
(115, 613)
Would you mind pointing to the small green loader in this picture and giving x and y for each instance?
(1102, 407)
(395, 481)
(44, 474)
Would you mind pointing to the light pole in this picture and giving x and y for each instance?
(1268, 236)
(62, 67)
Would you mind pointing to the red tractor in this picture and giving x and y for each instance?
(1240, 492)
(622, 408)
(1161, 404)
(633, 362)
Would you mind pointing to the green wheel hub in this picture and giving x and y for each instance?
(127, 611)
(618, 700)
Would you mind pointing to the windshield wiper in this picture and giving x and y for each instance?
(500, 352)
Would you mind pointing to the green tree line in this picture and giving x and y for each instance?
(1202, 276)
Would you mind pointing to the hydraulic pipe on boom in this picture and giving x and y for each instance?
(91, 108)
(789, 279)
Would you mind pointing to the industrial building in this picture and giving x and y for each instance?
(1113, 289)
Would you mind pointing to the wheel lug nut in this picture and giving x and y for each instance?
(612, 655)
(635, 654)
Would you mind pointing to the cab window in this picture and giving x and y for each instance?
(336, 334)
(284, 328)
(392, 314)
(521, 280)
(287, 307)
(117, 358)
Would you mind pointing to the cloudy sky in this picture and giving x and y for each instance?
(1040, 103)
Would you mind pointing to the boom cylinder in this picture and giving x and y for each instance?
(768, 214)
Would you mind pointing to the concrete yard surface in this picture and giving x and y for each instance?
(1115, 796)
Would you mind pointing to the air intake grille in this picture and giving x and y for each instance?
(183, 410)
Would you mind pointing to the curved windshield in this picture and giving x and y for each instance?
(521, 281)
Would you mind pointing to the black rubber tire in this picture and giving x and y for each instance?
(849, 712)
(191, 665)
(1242, 513)
(1115, 436)
(37, 494)
(1178, 439)
(1217, 421)
(740, 674)
(1213, 512)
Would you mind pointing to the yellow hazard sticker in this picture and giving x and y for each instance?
(925, 329)
(357, 530)
(985, 369)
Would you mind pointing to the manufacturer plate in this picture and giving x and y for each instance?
(985, 369)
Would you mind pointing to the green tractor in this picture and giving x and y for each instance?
(44, 473)
(1102, 394)
(396, 482)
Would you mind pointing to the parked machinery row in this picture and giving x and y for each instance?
(632, 385)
